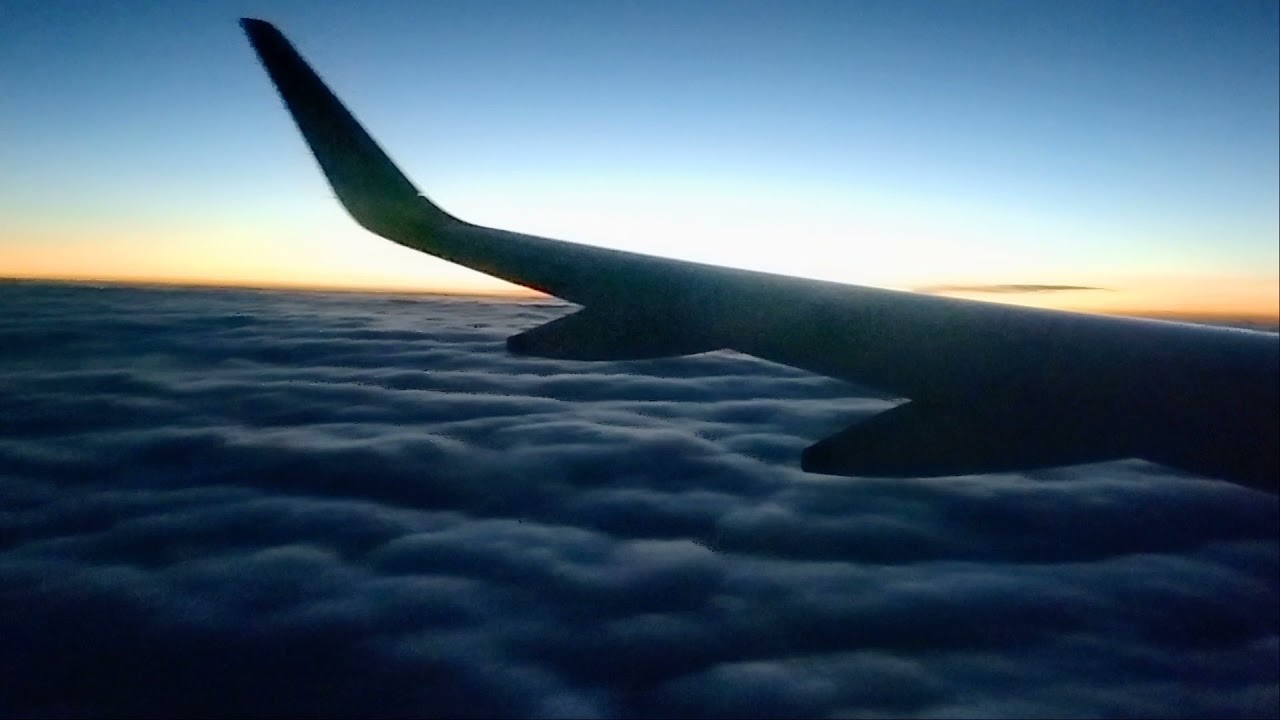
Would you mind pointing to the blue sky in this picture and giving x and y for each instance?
(1131, 145)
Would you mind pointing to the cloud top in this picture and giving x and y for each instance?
(252, 503)
(1007, 289)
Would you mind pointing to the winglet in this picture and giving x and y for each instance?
(368, 184)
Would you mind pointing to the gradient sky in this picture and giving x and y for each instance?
(1131, 146)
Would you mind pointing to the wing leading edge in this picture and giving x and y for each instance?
(991, 387)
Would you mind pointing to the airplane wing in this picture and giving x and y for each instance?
(989, 387)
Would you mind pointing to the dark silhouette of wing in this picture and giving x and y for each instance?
(990, 387)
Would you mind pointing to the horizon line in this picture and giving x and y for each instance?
(1270, 319)
(515, 293)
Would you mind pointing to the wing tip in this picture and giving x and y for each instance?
(256, 25)
(261, 33)
(368, 184)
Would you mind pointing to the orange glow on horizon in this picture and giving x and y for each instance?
(301, 251)
(219, 257)
(460, 290)
(1261, 308)
(1252, 299)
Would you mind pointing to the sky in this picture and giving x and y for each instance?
(234, 503)
(1128, 147)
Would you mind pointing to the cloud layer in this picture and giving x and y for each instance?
(1005, 289)
(249, 503)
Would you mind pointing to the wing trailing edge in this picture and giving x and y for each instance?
(920, 440)
(592, 334)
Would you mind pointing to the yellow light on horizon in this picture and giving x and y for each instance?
(328, 253)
